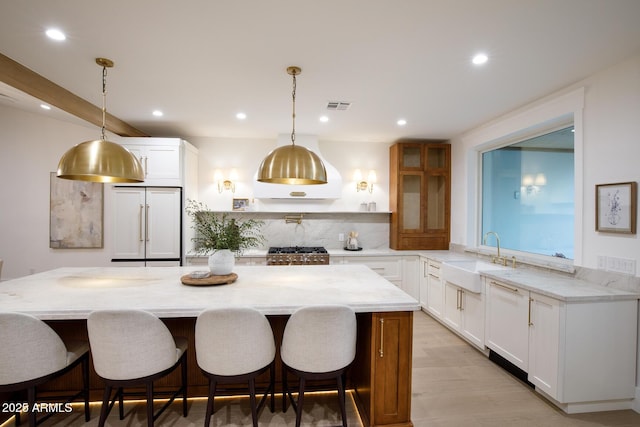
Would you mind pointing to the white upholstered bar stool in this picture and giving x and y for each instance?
(132, 348)
(235, 345)
(31, 353)
(319, 342)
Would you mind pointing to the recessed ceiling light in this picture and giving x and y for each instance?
(480, 59)
(45, 107)
(324, 119)
(241, 116)
(55, 34)
(158, 113)
(401, 122)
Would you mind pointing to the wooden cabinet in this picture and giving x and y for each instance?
(419, 195)
(147, 224)
(579, 354)
(382, 377)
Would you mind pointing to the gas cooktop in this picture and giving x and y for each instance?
(297, 255)
(297, 250)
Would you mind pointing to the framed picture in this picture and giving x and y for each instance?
(75, 214)
(240, 204)
(616, 207)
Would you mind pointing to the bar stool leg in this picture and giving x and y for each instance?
(150, 404)
(342, 398)
(252, 397)
(106, 398)
(300, 402)
(212, 394)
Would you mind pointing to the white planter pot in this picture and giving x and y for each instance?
(221, 262)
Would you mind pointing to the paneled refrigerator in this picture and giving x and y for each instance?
(147, 228)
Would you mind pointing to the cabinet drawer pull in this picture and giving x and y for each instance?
(508, 288)
(381, 351)
(434, 276)
(437, 267)
(530, 301)
(461, 299)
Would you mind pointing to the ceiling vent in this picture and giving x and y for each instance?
(338, 105)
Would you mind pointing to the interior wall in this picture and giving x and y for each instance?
(30, 146)
(245, 155)
(609, 132)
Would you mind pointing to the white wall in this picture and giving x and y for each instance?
(610, 134)
(245, 156)
(30, 147)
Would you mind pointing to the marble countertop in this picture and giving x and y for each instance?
(72, 293)
(557, 286)
(343, 252)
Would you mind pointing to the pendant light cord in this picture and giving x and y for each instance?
(293, 97)
(104, 101)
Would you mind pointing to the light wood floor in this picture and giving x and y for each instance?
(453, 385)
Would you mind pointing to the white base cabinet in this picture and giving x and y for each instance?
(435, 289)
(507, 322)
(580, 355)
(463, 312)
(402, 271)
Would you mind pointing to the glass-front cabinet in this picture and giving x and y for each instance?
(420, 195)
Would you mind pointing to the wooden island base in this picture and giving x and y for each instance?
(380, 376)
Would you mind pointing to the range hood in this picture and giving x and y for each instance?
(331, 190)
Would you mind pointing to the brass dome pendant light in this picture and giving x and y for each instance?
(101, 160)
(292, 164)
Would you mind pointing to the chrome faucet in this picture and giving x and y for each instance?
(484, 242)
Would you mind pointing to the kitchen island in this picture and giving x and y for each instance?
(380, 376)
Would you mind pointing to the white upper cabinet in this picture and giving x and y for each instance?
(164, 160)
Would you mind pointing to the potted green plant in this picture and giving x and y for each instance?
(221, 237)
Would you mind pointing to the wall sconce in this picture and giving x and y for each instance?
(228, 183)
(361, 184)
(532, 184)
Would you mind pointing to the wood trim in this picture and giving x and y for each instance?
(32, 83)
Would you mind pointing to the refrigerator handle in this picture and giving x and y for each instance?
(140, 224)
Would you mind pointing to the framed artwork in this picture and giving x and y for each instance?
(240, 204)
(75, 214)
(616, 207)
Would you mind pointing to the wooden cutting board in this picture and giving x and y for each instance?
(209, 281)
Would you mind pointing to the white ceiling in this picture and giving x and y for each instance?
(202, 61)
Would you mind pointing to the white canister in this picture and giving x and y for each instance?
(371, 207)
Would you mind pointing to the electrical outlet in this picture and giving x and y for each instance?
(341, 237)
(621, 265)
(602, 262)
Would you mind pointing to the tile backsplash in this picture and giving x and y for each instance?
(322, 229)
